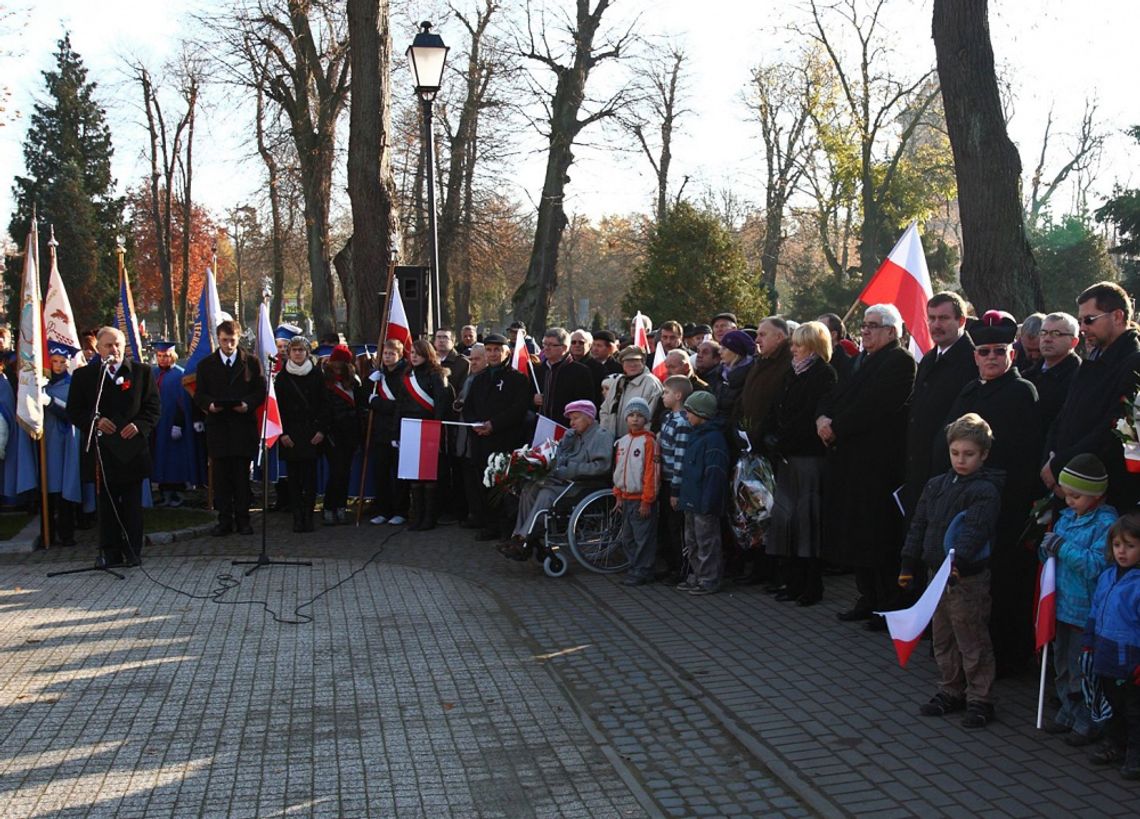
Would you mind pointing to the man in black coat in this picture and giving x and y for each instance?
(601, 361)
(1008, 403)
(119, 459)
(562, 379)
(230, 388)
(863, 424)
(1053, 373)
(497, 400)
(1093, 405)
(941, 375)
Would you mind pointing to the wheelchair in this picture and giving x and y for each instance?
(584, 521)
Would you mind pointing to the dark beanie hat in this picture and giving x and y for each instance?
(739, 342)
(1084, 474)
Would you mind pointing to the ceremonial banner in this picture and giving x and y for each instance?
(30, 349)
(906, 626)
(204, 334)
(125, 317)
(547, 430)
(419, 450)
(641, 332)
(519, 358)
(59, 320)
(398, 327)
(904, 281)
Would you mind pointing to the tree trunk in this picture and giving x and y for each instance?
(187, 208)
(159, 199)
(371, 186)
(277, 229)
(998, 269)
(316, 183)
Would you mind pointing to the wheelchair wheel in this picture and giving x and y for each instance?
(554, 565)
(594, 533)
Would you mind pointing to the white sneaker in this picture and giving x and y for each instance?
(397, 520)
(378, 520)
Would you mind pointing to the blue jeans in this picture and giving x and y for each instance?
(1074, 712)
(639, 538)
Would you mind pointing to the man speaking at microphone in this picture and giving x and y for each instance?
(127, 410)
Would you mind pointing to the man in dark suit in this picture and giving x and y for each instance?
(118, 460)
(231, 386)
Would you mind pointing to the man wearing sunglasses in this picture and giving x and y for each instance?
(1008, 403)
(1053, 374)
(1093, 405)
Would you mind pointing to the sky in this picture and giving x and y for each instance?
(1055, 53)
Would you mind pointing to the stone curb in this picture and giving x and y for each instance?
(162, 538)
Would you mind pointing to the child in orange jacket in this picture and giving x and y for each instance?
(635, 487)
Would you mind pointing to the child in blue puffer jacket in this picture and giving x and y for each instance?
(1112, 638)
(1078, 543)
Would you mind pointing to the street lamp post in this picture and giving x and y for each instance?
(427, 55)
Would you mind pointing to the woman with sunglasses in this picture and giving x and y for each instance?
(1008, 403)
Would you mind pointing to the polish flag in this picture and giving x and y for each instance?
(906, 625)
(641, 332)
(419, 450)
(658, 367)
(547, 430)
(271, 425)
(904, 281)
(1045, 623)
(399, 329)
(520, 360)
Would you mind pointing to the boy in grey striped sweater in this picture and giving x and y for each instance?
(671, 439)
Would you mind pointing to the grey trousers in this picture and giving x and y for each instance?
(533, 501)
(702, 541)
(639, 538)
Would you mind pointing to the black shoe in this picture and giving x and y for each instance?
(1107, 754)
(853, 615)
(876, 623)
(786, 595)
(775, 587)
(245, 529)
(221, 529)
(978, 715)
(942, 704)
(633, 580)
(807, 599)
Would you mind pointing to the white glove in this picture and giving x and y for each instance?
(45, 399)
(199, 426)
(176, 433)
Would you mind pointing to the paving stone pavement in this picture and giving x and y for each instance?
(442, 680)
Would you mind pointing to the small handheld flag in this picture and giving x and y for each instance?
(906, 625)
(419, 450)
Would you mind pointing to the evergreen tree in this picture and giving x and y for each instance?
(694, 268)
(67, 154)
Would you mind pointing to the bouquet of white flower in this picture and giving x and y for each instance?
(1127, 431)
(509, 472)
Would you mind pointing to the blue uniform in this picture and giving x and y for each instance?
(174, 461)
(61, 442)
(21, 462)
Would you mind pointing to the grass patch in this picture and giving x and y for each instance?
(11, 524)
(169, 520)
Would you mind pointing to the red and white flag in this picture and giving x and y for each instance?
(419, 450)
(547, 430)
(904, 281)
(1045, 624)
(271, 424)
(399, 329)
(641, 332)
(658, 366)
(519, 358)
(906, 625)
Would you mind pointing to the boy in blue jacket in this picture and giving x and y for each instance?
(1112, 642)
(704, 488)
(1078, 544)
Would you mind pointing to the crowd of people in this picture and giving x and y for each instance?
(882, 464)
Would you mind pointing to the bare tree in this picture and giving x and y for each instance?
(875, 100)
(782, 98)
(165, 147)
(1082, 157)
(660, 107)
(998, 269)
(362, 263)
(571, 69)
(302, 48)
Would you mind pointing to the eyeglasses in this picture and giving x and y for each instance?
(986, 352)
(867, 326)
(1090, 320)
(1054, 334)
(546, 344)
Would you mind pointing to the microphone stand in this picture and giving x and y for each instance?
(263, 557)
(100, 560)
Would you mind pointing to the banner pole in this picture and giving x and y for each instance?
(1041, 689)
(45, 511)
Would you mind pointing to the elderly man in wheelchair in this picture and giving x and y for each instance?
(583, 462)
